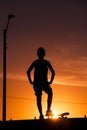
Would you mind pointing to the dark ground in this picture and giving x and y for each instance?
(46, 124)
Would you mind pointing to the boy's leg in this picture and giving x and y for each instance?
(39, 105)
(49, 101)
(49, 92)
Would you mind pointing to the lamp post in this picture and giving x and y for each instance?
(4, 66)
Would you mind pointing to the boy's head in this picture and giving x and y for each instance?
(41, 52)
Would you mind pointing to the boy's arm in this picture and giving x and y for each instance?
(52, 73)
(29, 73)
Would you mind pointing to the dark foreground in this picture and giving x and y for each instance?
(46, 124)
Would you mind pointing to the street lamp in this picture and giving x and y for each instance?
(4, 66)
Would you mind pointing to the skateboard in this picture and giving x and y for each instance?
(63, 115)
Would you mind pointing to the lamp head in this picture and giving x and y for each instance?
(10, 16)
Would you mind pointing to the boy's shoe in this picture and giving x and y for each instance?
(49, 113)
(41, 117)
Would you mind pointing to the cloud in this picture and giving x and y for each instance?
(15, 77)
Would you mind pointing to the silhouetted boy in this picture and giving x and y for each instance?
(40, 81)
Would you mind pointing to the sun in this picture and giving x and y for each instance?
(55, 115)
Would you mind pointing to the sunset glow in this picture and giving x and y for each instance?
(59, 27)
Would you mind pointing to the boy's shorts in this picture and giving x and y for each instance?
(39, 87)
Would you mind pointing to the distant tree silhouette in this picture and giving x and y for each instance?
(40, 81)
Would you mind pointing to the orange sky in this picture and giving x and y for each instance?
(61, 28)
